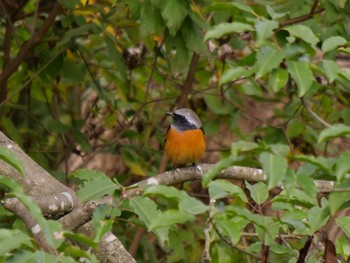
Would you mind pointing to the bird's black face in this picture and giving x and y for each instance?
(181, 123)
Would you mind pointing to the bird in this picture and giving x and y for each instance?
(185, 140)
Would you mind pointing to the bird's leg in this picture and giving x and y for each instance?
(197, 168)
(174, 170)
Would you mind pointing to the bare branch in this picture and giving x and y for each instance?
(318, 118)
(112, 250)
(51, 196)
(15, 206)
(303, 18)
(206, 252)
(188, 85)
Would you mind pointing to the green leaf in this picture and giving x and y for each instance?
(302, 75)
(318, 216)
(81, 140)
(307, 184)
(169, 192)
(116, 57)
(147, 211)
(275, 167)
(217, 105)
(13, 185)
(149, 24)
(333, 43)
(101, 224)
(57, 126)
(319, 161)
(192, 206)
(86, 174)
(243, 146)
(344, 224)
(243, 7)
(331, 69)
(173, 13)
(169, 218)
(337, 200)
(342, 165)
(295, 218)
(340, 3)
(227, 28)
(11, 239)
(81, 238)
(192, 35)
(77, 32)
(277, 79)
(230, 6)
(37, 257)
(145, 208)
(11, 158)
(273, 14)
(218, 167)
(268, 58)
(222, 188)
(233, 74)
(96, 188)
(180, 60)
(186, 203)
(230, 229)
(258, 192)
(304, 33)
(251, 88)
(334, 131)
(264, 29)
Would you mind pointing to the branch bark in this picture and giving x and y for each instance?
(52, 197)
(15, 206)
(303, 18)
(188, 85)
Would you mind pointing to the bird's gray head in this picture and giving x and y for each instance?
(185, 119)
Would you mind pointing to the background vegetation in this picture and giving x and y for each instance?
(85, 84)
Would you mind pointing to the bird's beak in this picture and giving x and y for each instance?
(170, 113)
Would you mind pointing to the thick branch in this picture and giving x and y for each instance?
(112, 250)
(82, 214)
(51, 196)
(188, 85)
(15, 206)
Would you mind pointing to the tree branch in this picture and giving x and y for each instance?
(53, 198)
(27, 48)
(188, 85)
(15, 206)
(303, 18)
(110, 248)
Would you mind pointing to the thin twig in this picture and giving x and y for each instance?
(229, 243)
(303, 18)
(206, 252)
(318, 118)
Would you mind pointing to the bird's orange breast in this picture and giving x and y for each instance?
(183, 147)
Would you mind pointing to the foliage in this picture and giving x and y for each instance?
(105, 73)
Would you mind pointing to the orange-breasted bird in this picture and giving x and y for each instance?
(185, 139)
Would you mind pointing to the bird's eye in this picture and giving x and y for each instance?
(182, 117)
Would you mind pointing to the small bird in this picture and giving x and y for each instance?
(185, 139)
